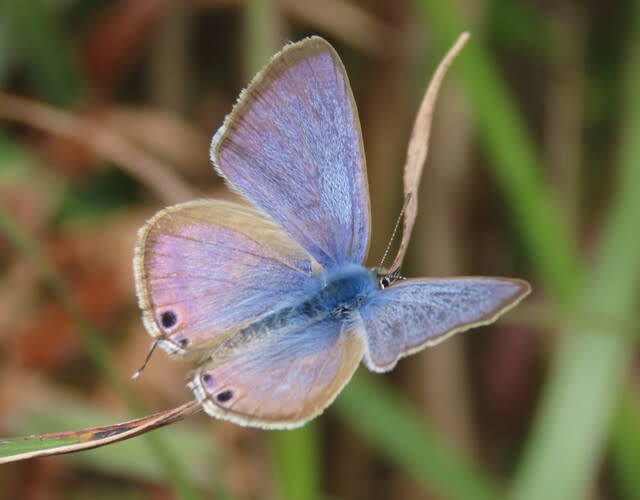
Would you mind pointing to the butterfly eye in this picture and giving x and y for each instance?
(384, 282)
(168, 319)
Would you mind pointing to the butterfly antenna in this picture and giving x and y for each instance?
(146, 360)
(395, 229)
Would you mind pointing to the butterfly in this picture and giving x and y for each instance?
(273, 300)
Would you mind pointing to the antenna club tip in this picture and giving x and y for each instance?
(136, 375)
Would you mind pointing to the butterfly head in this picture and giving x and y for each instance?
(384, 278)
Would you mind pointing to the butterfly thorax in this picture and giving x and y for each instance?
(344, 291)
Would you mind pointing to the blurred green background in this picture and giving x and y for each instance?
(106, 111)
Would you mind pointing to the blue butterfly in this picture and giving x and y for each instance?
(275, 301)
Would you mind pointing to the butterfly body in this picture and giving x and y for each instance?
(274, 299)
(337, 295)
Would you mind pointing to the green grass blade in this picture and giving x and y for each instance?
(577, 404)
(570, 429)
(129, 459)
(14, 448)
(47, 52)
(262, 34)
(515, 164)
(7, 52)
(296, 459)
(388, 422)
(587, 377)
(626, 448)
(57, 443)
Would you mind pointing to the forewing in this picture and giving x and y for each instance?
(419, 313)
(204, 269)
(292, 145)
(283, 383)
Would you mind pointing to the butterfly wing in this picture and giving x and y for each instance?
(292, 145)
(204, 269)
(419, 313)
(282, 383)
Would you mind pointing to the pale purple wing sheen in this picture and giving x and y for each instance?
(206, 268)
(281, 383)
(418, 313)
(292, 146)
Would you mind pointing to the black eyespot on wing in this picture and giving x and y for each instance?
(224, 396)
(183, 342)
(168, 319)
